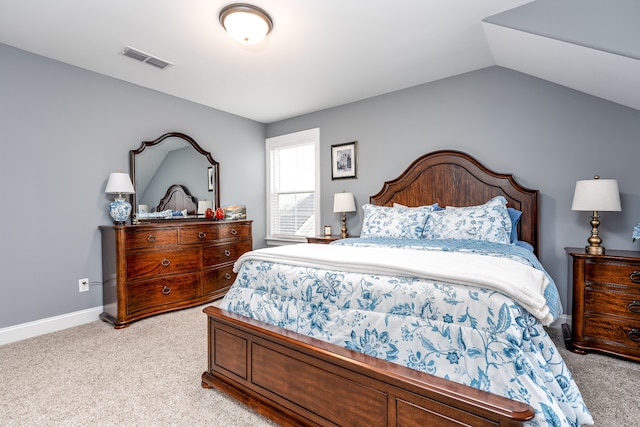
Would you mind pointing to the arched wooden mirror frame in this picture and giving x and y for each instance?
(214, 164)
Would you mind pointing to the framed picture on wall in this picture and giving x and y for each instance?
(210, 179)
(344, 160)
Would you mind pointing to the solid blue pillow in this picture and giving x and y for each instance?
(514, 215)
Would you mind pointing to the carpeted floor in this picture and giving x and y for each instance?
(149, 374)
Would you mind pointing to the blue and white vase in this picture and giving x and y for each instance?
(120, 210)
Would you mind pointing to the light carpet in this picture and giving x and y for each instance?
(149, 374)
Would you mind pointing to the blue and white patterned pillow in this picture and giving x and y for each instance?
(395, 223)
(489, 222)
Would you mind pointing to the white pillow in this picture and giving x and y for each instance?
(394, 222)
(488, 222)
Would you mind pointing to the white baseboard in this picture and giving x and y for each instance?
(48, 325)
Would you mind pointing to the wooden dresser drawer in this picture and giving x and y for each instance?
(156, 292)
(146, 264)
(137, 239)
(619, 273)
(234, 231)
(221, 254)
(204, 234)
(218, 280)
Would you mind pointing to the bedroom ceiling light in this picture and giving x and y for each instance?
(119, 183)
(245, 23)
(596, 195)
(343, 202)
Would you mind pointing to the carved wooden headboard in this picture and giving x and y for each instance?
(178, 198)
(453, 178)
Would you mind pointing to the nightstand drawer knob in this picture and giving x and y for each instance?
(151, 238)
(635, 277)
(634, 306)
(634, 335)
(165, 262)
(202, 235)
(167, 290)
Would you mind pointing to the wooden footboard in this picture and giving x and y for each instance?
(297, 380)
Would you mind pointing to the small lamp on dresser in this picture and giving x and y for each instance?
(596, 195)
(119, 183)
(343, 202)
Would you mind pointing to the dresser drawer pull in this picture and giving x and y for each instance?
(202, 235)
(227, 252)
(227, 276)
(234, 231)
(166, 290)
(165, 262)
(634, 306)
(151, 238)
(635, 276)
(634, 335)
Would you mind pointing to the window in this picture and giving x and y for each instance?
(293, 186)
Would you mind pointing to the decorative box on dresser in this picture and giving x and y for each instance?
(168, 265)
(606, 303)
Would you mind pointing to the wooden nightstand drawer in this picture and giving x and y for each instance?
(619, 273)
(613, 303)
(625, 333)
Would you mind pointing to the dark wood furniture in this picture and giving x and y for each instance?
(606, 303)
(168, 265)
(322, 239)
(178, 198)
(297, 380)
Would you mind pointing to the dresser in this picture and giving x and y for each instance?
(606, 303)
(168, 265)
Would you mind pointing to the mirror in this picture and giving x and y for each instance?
(173, 159)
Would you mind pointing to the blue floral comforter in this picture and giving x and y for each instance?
(468, 334)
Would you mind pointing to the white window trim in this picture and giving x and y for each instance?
(281, 141)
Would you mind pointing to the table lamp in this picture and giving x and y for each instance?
(119, 183)
(343, 202)
(596, 195)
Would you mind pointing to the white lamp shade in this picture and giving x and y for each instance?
(343, 202)
(119, 183)
(596, 195)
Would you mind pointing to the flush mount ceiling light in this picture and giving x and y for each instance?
(245, 23)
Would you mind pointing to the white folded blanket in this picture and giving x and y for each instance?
(521, 282)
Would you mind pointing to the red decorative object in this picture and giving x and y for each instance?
(219, 213)
(208, 213)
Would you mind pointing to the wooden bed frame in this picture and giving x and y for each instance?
(301, 381)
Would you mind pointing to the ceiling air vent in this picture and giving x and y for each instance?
(146, 58)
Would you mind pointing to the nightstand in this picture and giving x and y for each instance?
(322, 239)
(606, 303)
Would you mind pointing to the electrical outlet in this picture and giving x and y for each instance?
(83, 285)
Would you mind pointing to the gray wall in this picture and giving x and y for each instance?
(548, 136)
(63, 130)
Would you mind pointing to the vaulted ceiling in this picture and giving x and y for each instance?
(321, 54)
